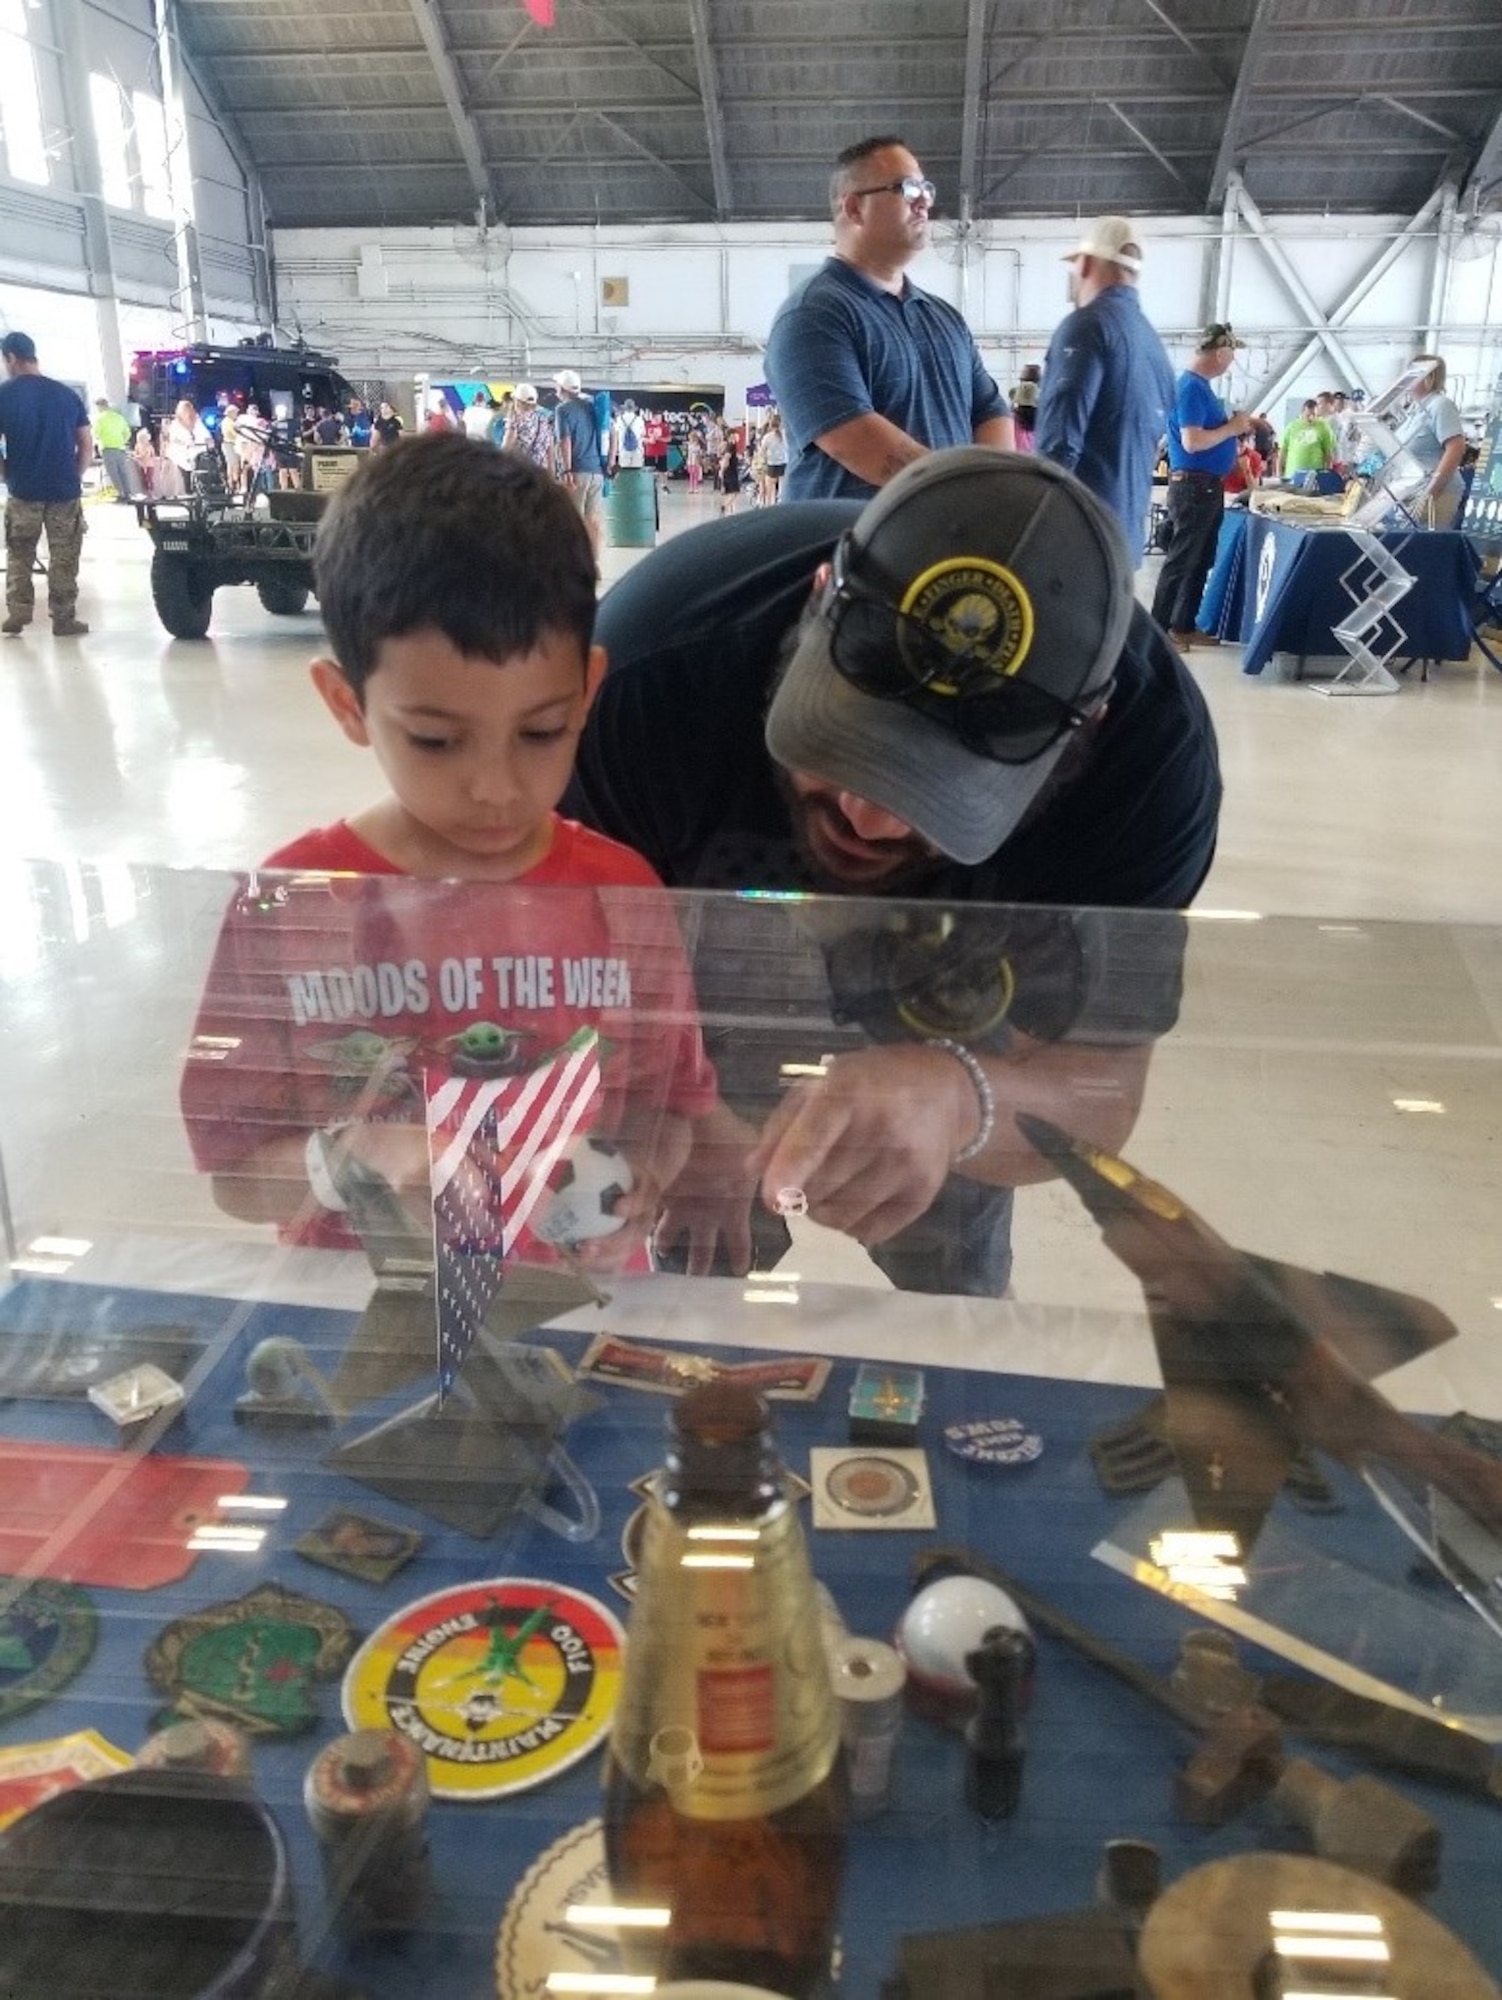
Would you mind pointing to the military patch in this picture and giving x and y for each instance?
(359, 1545)
(976, 610)
(502, 1684)
(47, 1633)
(253, 1660)
(31, 1773)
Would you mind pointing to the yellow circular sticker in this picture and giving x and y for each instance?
(976, 610)
(502, 1684)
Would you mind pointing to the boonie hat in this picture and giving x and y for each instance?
(1219, 333)
(524, 392)
(1113, 237)
(567, 379)
(1011, 561)
(18, 347)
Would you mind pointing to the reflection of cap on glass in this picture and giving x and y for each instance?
(567, 379)
(960, 535)
(1219, 333)
(18, 347)
(1113, 237)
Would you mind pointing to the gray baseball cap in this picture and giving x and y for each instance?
(1010, 563)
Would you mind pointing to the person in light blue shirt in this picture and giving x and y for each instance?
(1201, 451)
(1434, 433)
(869, 371)
(1107, 382)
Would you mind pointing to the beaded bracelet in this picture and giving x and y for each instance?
(984, 1094)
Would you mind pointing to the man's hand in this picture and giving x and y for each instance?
(709, 1205)
(872, 1141)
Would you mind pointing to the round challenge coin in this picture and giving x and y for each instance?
(993, 1441)
(872, 1486)
(502, 1684)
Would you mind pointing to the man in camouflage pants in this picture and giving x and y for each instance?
(44, 428)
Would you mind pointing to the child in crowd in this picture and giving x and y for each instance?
(730, 477)
(458, 927)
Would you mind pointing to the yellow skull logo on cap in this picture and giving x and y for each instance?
(976, 610)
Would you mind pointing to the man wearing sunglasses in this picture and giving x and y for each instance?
(947, 696)
(868, 370)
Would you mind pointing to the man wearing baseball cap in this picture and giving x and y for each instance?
(48, 447)
(947, 695)
(581, 464)
(1202, 441)
(1107, 383)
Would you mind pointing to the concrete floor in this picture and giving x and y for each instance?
(1275, 1107)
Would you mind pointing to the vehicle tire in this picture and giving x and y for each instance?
(283, 600)
(183, 596)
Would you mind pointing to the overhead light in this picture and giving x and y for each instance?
(1228, 916)
(617, 1916)
(1431, 1105)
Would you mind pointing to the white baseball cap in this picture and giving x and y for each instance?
(524, 392)
(569, 380)
(1112, 237)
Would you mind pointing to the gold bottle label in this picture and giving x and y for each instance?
(725, 1662)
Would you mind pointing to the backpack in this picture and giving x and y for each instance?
(630, 436)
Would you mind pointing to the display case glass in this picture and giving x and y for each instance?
(330, 1392)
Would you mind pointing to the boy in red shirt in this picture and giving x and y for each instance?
(459, 927)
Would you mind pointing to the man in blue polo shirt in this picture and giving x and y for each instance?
(1201, 451)
(868, 371)
(48, 446)
(1107, 383)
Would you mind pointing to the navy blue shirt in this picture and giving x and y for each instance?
(1197, 405)
(39, 421)
(673, 759)
(842, 348)
(1107, 388)
(575, 419)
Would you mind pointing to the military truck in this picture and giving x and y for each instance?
(211, 538)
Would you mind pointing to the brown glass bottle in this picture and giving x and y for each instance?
(725, 1785)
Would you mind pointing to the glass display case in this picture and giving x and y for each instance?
(1126, 1281)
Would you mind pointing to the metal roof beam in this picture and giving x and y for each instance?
(636, 145)
(709, 95)
(1397, 104)
(1230, 136)
(1161, 14)
(435, 41)
(1148, 147)
(975, 50)
(1483, 184)
(1293, 284)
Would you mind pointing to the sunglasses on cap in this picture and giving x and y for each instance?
(912, 187)
(882, 651)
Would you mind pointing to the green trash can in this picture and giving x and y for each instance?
(631, 511)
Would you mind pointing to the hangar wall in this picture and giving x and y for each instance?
(57, 228)
(697, 302)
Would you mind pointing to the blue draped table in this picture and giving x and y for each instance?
(1276, 588)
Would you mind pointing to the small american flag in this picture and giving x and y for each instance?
(493, 1144)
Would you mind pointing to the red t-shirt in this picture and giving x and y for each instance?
(344, 989)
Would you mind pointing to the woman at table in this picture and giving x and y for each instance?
(1433, 432)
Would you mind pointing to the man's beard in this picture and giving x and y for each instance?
(913, 862)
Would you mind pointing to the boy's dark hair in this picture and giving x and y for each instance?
(445, 531)
(844, 176)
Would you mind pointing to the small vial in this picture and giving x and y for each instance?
(200, 1744)
(868, 1680)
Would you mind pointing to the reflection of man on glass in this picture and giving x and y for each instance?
(868, 370)
(968, 709)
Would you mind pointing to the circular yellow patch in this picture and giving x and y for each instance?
(976, 610)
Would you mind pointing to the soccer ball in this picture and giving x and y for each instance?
(582, 1191)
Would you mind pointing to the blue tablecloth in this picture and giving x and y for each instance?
(1100, 1760)
(1276, 588)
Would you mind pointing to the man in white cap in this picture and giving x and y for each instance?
(581, 466)
(1107, 383)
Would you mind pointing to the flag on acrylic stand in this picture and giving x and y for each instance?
(493, 1144)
